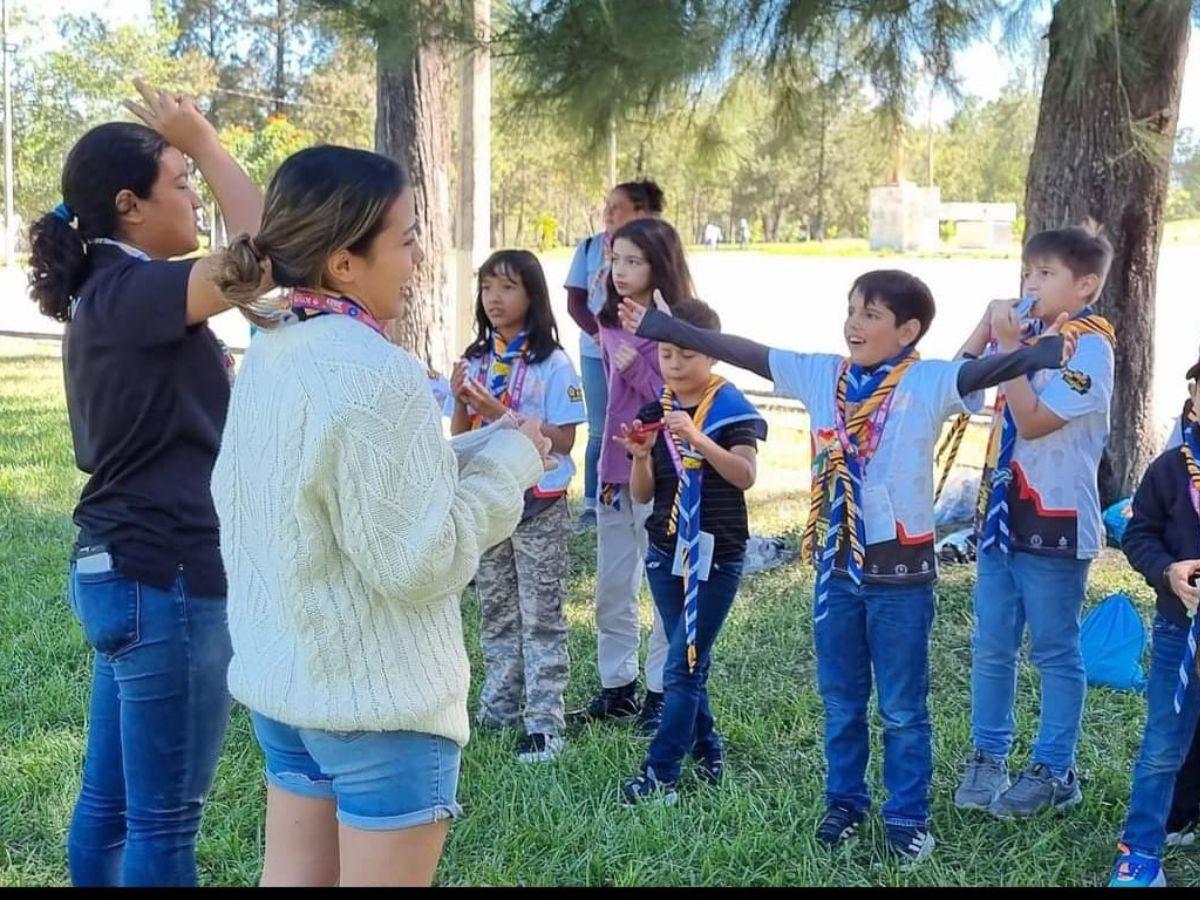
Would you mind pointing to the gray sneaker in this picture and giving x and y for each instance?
(1035, 790)
(984, 781)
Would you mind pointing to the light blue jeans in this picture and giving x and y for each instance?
(380, 780)
(595, 396)
(1013, 590)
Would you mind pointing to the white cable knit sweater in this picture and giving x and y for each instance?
(348, 533)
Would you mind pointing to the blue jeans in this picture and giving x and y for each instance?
(595, 397)
(158, 714)
(687, 720)
(885, 629)
(1165, 741)
(1012, 590)
(378, 780)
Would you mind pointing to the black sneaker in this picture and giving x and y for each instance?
(650, 716)
(711, 769)
(910, 844)
(838, 825)
(647, 788)
(539, 748)
(619, 704)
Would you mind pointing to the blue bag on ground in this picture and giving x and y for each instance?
(1112, 639)
(1116, 517)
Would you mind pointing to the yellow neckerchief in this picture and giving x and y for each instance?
(947, 451)
(1089, 324)
(830, 466)
(690, 462)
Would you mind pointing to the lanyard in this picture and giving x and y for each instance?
(321, 304)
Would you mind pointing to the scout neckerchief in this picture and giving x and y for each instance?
(308, 304)
(947, 451)
(835, 509)
(992, 507)
(1190, 448)
(502, 371)
(685, 511)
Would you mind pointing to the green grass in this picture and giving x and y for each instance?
(561, 824)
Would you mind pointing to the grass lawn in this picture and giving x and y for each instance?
(562, 823)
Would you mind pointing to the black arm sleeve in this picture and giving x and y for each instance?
(738, 351)
(989, 371)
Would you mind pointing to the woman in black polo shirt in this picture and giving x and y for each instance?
(147, 389)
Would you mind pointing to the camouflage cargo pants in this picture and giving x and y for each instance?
(522, 585)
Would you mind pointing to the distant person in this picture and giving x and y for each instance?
(587, 291)
(712, 235)
(743, 233)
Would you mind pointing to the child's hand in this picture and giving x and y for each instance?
(1070, 339)
(479, 397)
(175, 117)
(1006, 327)
(624, 357)
(458, 378)
(638, 449)
(631, 314)
(682, 424)
(532, 429)
(1180, 576)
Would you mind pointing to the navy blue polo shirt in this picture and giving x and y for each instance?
(146, 397)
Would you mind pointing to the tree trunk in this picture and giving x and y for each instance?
(1085, 164)
(281, 30)
(413, 126)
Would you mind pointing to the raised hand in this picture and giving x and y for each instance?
(174, 116)
(458, 378)
(1070, 339)
(1005, 325)
(624, 357)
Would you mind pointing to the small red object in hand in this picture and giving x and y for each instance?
(643, 430)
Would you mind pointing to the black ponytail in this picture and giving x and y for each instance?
(58, 264)
(110, 158)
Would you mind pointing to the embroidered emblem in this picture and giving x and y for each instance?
(1062, 542)
(574, 394)
(1079, 382)
(902, 569)
(1035, 541)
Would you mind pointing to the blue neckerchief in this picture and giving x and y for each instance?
(729, 406)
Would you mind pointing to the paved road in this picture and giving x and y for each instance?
(799, 303)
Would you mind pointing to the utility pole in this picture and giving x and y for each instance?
(9, 253)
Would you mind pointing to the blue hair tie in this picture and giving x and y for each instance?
(64, 212)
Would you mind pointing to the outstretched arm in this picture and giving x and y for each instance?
(738, 351)
(989, 371)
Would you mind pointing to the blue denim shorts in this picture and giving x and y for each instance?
(380, 780)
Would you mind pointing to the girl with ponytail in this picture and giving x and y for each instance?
(349, 528)
(147, 392)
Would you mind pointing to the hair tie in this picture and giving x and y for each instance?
(64, 212)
